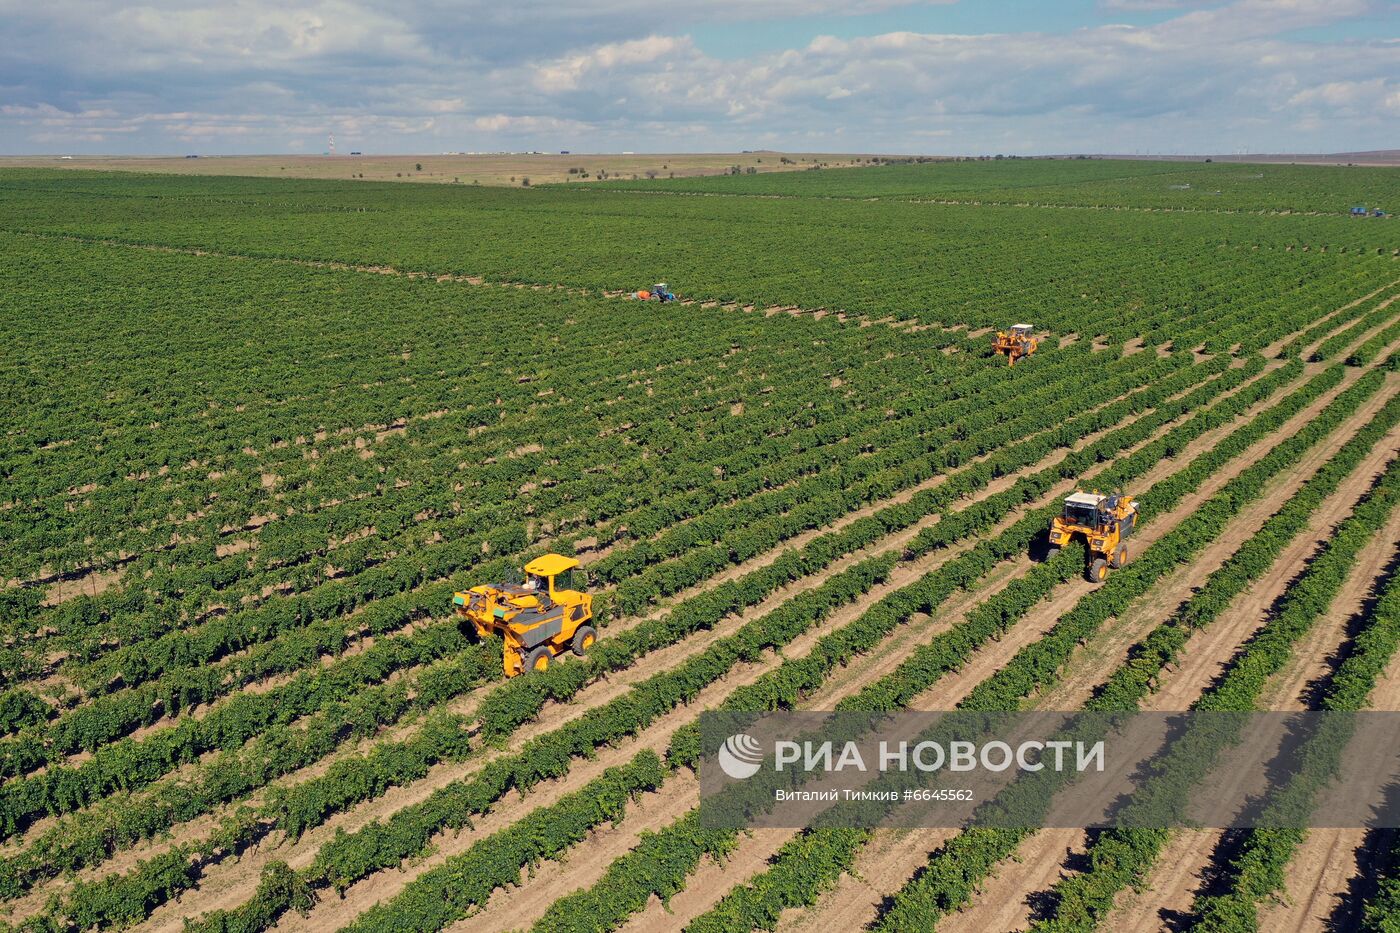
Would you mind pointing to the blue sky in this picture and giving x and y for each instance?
(1050, 17)
(964, 18)
(894, 76)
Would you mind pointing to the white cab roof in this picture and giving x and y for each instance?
(1083, 498)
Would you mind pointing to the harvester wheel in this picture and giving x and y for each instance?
(584, 638)
(538, 660)
(1051, 551)
(1098, 571)
(1120, 556)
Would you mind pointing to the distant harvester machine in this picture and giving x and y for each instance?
(1103, 522)
(658, 292)
(538, 620)
(1017, 343)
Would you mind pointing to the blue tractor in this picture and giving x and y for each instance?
(658, 292)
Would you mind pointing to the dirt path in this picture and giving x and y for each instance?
(1324, 868)
(1332, 865)
(1177, 875)
(1208, 651)
(230, 889)
(1169, 889)
(855, 900)
(1273, 348)
(1316, 882)
(1301, 683)
(1005, 900)
(517, 908)
(1049, 855)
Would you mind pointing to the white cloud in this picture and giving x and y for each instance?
(1254, 19)
(250, 75)
(565, 74)
(503, 123)
(1374, 97)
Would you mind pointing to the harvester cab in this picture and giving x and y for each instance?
(537, 619)
(1103, 522)
(1019, 342)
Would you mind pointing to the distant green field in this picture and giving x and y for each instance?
(1087, 183)
(1115, 271)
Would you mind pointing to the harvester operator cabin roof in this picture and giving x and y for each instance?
(1020, 326)
(1084, 498)
(550, 564)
